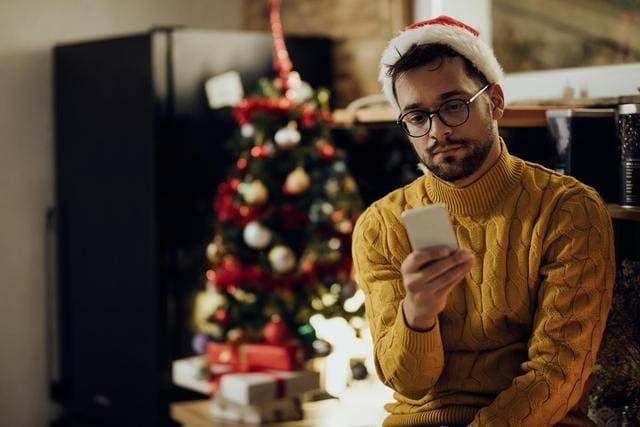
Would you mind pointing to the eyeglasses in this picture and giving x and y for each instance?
(452, 113)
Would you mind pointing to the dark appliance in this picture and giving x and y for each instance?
(586, 147)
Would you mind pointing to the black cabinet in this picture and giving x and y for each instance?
(138, 157)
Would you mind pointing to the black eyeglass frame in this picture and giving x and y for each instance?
(430, 114)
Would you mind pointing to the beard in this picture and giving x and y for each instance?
(452, 168)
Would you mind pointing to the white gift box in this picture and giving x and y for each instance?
(253, 388)
(243, 388)
(190, 373)
(276, 410)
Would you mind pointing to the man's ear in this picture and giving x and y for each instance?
(497, 101)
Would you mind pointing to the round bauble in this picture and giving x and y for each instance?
(297, 181)
(326, 151)
(256, 235)
(350, 185)
(256, 193)
(213, 252)
(359, 371)
(276, 331)
(282, 259)
(247, 130)
(287, 137)
(339, 167)
(332, 187)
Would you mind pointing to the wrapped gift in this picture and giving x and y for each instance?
(284, 357)
(274, 411)
(223, 353)
(196, 373)
(254, 388)
(191, 373)
(253, 356)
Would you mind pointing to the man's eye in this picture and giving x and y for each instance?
(453, 106)
(416, 117)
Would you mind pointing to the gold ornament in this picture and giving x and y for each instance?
(256, 193)
(350, 185)
(213, 253)
(282, 259)
(298, 181)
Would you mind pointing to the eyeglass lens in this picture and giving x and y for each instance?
(452, 113)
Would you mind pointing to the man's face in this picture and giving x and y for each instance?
(453, 154)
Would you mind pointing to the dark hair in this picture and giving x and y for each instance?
(420, 55)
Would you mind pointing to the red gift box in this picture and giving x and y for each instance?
(283, 357)
(256, 356)
(223, 353)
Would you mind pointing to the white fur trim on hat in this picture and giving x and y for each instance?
(445, 30)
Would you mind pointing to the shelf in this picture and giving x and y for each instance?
(515, 117)
(626, 213)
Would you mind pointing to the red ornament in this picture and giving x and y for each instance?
(256, 151)
(308, 266)
(326, 151)
(276, 332)
(221, 315)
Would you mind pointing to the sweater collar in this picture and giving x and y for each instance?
(482, 194)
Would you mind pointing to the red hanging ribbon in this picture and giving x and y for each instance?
(281, 61)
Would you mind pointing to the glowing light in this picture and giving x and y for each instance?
(211, 275)
(334, 243)
(256, 151)
(241, 163)
(329, 299)
(354, 303)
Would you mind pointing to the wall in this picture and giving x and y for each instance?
(360, 30)
(28, 31)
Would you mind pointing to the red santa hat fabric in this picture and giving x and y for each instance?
(445, 30)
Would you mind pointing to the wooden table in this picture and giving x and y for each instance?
(362, 406)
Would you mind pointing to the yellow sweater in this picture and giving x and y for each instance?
(518, 338)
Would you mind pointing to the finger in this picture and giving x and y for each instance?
(448, 288)
(417, 259)
(437, 268)
(453, 276)
(421, 282)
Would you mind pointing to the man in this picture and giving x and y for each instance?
(504, 331)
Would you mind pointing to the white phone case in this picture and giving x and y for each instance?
(429, 226)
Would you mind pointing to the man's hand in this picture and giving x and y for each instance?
(429, 276)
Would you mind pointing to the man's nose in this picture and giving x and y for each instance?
(439, 129)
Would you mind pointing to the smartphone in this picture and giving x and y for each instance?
(429, 226)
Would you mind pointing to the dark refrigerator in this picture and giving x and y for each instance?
(138, 157)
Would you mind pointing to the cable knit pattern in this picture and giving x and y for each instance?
(518, 338)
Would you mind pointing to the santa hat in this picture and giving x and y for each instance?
(445, 30)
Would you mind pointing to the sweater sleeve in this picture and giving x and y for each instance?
(408, 361)
(574, 296)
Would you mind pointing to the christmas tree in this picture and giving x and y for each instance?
(283, 217)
